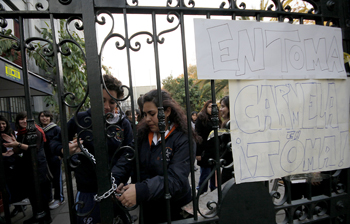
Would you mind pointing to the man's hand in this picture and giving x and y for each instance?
(198, 158)
(74, 147)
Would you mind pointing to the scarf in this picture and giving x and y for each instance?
(49, 126)
(23, 131)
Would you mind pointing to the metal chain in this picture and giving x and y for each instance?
(107, 193)
(114, 185)
(89, 154)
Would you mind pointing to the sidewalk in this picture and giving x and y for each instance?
(61, 214)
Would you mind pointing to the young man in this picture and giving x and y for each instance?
(85, 173)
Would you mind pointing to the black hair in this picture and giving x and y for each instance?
(46, 114)
(128, 112)
(140, 104)
(8, 130)
(226, 101)
(203, 116)
(20, 116)
(177, 115)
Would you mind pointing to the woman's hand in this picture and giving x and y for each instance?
(8, 153)
(11, 140)
(198, 158)
(120, 189)
(128, 198)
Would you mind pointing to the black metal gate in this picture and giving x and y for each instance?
(267, 205)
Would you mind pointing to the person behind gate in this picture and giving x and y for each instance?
(21, 145)
(51, 129)
(12, 167)
(150, 189)
(84, 173)
(225, 139)
(206, 149)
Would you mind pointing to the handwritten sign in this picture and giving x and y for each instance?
(228, 49)
(285, 127)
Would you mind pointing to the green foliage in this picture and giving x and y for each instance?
(199, 90)
(176, 87)
(74, 66)
(6, 50)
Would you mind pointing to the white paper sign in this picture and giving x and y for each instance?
(285, 127)
(229, 49)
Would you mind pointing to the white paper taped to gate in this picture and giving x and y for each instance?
(285, 127)
(228, 49)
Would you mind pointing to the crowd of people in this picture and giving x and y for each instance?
(147, 182)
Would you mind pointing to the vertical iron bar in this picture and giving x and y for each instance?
(161, 117)
(188, 108)
(127, 42)
(93, 69)
(3, 189)
(287, 186)
(63, 118)
(347, 190)
(279, 9)
(31, 135)
(215, 120)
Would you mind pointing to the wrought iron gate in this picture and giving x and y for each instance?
(230, 207)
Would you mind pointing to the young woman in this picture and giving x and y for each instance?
(225, 139)
(12, 168)
(128, 114)
(20, 145)
(85, 174)
(55, 164)
(193, 119)
(206, 149)
(150, 190)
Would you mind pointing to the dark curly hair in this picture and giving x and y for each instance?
(113, 83)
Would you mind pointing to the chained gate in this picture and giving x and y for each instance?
(259, 202)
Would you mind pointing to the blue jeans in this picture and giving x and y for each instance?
(204, 173)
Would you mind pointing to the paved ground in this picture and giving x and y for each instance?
(61, 214)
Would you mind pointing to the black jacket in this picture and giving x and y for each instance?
(151, 187)
(84, 173)
(10, 162)
(206, 149)
(225, 147)
(27, 160)
(50, 134)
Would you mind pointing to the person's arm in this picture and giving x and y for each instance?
(178, 172)
(56, 143)
(18, 146)
(12, 142)
(122, 166)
